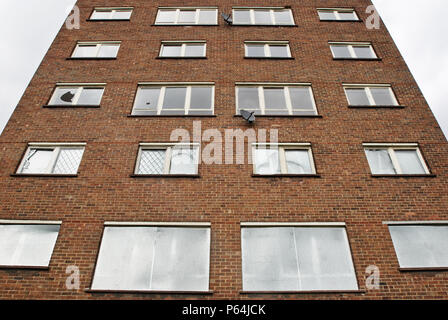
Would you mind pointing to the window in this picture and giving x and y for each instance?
(177, 99)
(77, 95)
(187, 16)
(26, 244)
(48, 158)
(99, 50)
(296, 257)
(262, 16)
(337, 15)
(274, 49)
(154, 257)
(277, 159)
(111, 14)
(420, 245)
(275, 99)
(394, 159)
(167, 159)
(180, 49)
(370, 95)
(352, 50)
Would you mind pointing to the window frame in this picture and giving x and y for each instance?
(367, 89)
(391, 147)
(267, 49)
(112, 10)
(98, 45)
(285, 86)
(177, 14)
(56, 149)
(336, 12)
(271, 12)
(163, 86)
(80, 87)
(168, 157)
(282, 147)
(183, 44)
(350, 46)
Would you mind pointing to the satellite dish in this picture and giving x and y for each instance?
(227, 18)
(67, 97)
(248, 116)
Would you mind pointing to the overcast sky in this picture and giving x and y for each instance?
(28, 27)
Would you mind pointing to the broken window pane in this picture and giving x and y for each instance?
(64, 96)
(147, 99)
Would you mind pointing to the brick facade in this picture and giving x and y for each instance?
(223, 195)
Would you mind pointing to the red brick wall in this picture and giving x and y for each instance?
(224, 195)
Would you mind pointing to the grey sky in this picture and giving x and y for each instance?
(28, 27)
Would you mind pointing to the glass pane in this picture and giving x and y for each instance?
(340, 51)
(327, 15)
(68, 161)
(298, 161)
(274, 99)
(108, 50)
(152, 162)
(90, 96)
(101, 14)
(85, 51)
(301, 98)
(207, 16)
(171, 50)
(282, 17)
(27, 245)
(122, 14)
(184, 160)
(174, 98)
(269, 259)
(195, 50)
(421, 246)
(38, 161)
(357, 97)
(255, 50)
(382, 96)
(364, 52)
(187, 16)
(409, 162)
(241, 17)
(379, 161)
(347, 16)
(279, 51)
(262, 17)
(166, 16)
(201, 98)
(324, 259)
(147, 98)
(267, 161)
(248, 98)
(63, 96)
(181, 259)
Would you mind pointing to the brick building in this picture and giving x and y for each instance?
(90, 180)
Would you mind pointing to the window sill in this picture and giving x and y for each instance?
(25, 267)
(149, 292)
(170, 116)
(328, 20)
(426, 269)
(185, 25)
(188, 58)
(91, 58)
(108, 20)
(358, 59)
(376, 107)
(286, 175)
(304, 292)
(270, 58)
(403, 175)
(265, 25)
(195, 176)
(73, 106)
(284, 116)
(43, 175)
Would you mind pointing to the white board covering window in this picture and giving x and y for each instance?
(258, 49)
(76, 95)
(27, 245)
(262, 16)
(153, 258)
(52, 159)
(341, 50)
(420, 246)
(370, 95)
(111, 14)
(187, 16)
(179, 49)
(337, 15)
(97, 50)
(296, 259)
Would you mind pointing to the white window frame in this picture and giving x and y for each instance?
(164, 85)
(168, 155)
(184, 45)
(336, 12)
(177, 14)
(112, 10)
(56, 148)
(285, 87)
(350, 46)
(80, 87)
(391, 147)
(98, 45)
(267, 48)
(282, 147)
(271, 11)
(367, 88)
